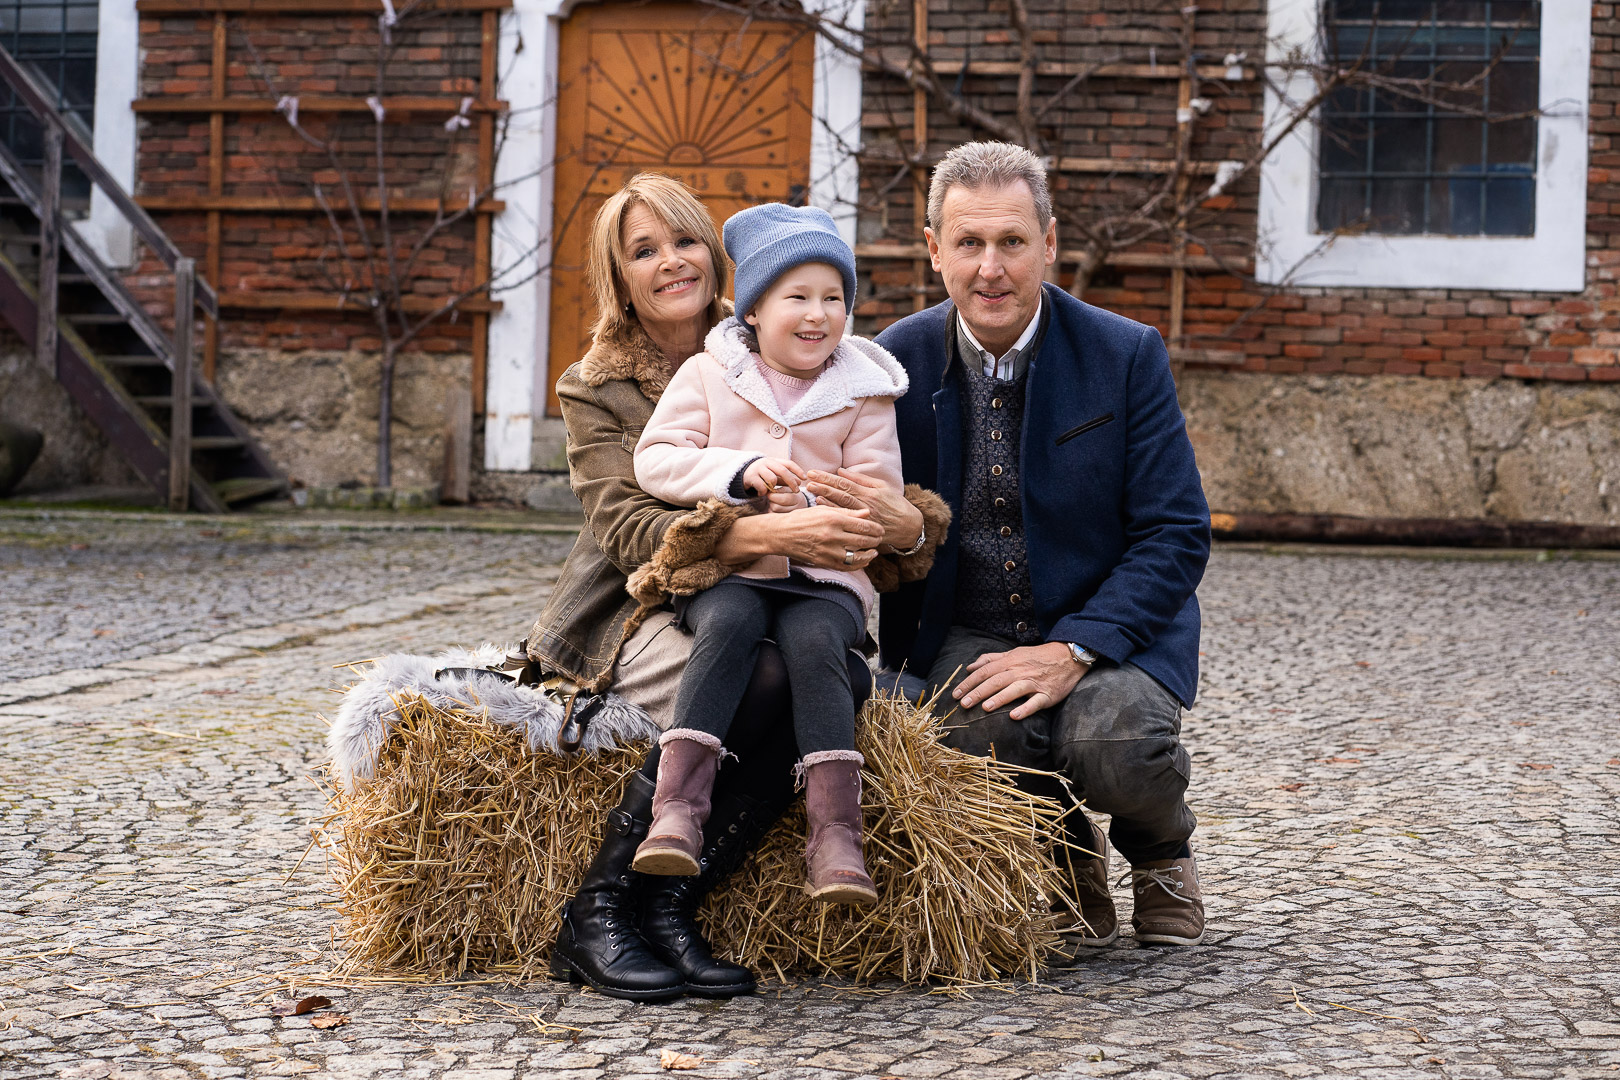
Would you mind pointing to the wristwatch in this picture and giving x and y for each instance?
(1081, 654)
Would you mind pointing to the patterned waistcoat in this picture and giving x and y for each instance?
(992, 578)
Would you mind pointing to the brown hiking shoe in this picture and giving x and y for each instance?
(1169, 904)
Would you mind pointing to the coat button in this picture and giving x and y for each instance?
(1009, 565)
(1013, 599)
(1006, 530)
(995, 470)
(995, 403)
(995, 436)
(1001, 504)
(777, 431)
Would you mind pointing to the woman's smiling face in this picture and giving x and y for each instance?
(669, 276)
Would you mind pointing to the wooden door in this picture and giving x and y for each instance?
(673, 88)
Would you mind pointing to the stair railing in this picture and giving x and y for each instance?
(63, 133)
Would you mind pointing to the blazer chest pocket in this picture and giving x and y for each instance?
(632, 435)
(1089, 425)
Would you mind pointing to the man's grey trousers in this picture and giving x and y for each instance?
(1116, 737)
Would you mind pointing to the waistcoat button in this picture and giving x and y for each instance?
(995, 403)
(1009, 565)
(995, 470)
(1022, 626)
(1014, 598)
(1001, 504)
(1006, 530)
(995, 436)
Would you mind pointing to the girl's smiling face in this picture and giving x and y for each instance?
(801, 319)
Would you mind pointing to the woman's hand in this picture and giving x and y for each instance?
(816, 536)
(900, 521)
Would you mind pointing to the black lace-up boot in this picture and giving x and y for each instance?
(669, 905)
(598, 943)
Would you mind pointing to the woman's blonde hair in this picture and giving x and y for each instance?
(680, 211)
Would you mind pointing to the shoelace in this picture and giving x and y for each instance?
(1142, 880)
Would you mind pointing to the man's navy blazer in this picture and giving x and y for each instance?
(1115, 521)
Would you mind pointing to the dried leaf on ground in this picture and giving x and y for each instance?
(301, 1006)
(330, 1020)
(674, 1059)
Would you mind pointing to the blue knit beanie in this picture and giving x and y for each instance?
(768, 240)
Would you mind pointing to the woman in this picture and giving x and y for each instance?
(658, 275)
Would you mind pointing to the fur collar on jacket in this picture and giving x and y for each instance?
(629, 354)
(857, 369)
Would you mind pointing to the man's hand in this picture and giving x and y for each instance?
(901, 522)
(1043, 675)
(768, 473)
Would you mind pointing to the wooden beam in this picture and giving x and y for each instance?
(1149, 260)
(311, 104)
(185, 280)
(50, 249)
(485, 179)
(1153, 166)
(273, 204)
(1068, 69)
(300, 7)
(919, 174)
(216, 187)
(334, 302)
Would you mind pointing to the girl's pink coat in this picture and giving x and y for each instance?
(718, 416)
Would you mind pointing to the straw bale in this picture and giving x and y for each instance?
(459, 853)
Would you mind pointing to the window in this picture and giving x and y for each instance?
(1463, 165)
(1396, 160)
(56, 41)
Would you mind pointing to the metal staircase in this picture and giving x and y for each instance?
(131, 377)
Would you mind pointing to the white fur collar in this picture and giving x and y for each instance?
(858, 369)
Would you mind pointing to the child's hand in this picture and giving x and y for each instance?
(769, 473)
(782, 500)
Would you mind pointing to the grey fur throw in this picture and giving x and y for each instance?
(368, 708)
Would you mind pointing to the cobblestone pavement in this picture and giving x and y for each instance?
(1406, 774)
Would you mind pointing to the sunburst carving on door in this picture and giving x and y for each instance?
(718, 102)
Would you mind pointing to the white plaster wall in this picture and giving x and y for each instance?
(117, 83)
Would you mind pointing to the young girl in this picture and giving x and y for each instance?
(777, 391)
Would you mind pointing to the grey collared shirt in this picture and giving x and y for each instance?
(1011, 364)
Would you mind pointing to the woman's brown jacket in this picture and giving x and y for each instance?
(607, 399)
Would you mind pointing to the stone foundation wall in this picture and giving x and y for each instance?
(1389, 446)
(75, 453)
(316, 413)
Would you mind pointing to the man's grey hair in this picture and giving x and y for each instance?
(978, 165)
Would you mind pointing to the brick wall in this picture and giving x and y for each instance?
(1443, 333)
(294, 250)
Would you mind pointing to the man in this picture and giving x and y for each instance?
(1060, 608)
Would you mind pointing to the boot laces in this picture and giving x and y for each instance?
(1143, 880)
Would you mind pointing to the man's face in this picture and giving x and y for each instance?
(993, 254)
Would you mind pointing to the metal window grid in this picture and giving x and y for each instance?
(57, 40)
(1431, 35)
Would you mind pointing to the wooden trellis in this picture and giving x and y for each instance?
(1178, 260)
(219, 108)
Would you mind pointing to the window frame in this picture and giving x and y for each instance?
(1291, 250)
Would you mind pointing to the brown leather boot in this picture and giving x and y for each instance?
(686, 771)
(1098, 925)
(832, 854)
(1169, 904)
